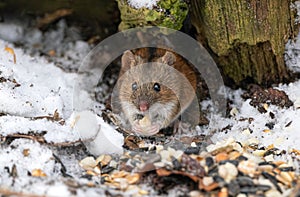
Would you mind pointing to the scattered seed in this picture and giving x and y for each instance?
(234, 155)
(286, 177)
(233, 188)
(209, 161)
(272, 115)
(38, 173)
(207, 181)
(104, 160)
(221, 157)
(286, 169)
(88, 163)
(272, 179)
(265, 168)
(288, 124)
(133, 178)
(228, 171)
(192, 150)
(234, 162)
(223, 192)
(245, 181)
(272, 193)
(26, 152)
(247, 167)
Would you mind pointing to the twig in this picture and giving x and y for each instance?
(63, 167)
(6, 192)
(54, 118)
(49, 18)
(39, 139)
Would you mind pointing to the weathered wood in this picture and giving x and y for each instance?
(82, 10)
(246, 37)
(94, 17)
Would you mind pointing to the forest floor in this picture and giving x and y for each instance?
(253, 151)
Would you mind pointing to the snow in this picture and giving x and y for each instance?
(11, 32)
(138, 4)
(43, 89)
(292, 56)
(281, 136)
(284, 135)
(35, 89)
(38, 158)
(296, 5)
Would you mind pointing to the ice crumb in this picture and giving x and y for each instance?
(142, 3)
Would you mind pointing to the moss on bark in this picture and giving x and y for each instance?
(247, 37)
(167, 13)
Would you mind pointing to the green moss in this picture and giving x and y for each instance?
(152, 16)
(168, 13)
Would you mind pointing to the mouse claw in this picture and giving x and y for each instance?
(145, 131)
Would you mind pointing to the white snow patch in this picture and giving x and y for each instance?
(11, 32)
(54, 131)
(43, 88)
(142, 3)
(38, 158)
(58, 189)
(296, 5)
(292, 54)
(284, 134)
(33, 88)
(292, 47)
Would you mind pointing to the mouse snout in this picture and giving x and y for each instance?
(143, 106)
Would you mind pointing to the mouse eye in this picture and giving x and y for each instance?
(134, 86)
(156, 87)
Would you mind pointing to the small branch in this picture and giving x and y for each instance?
(6, 192)
(63, 167)
(39, 139)
(49, 18)
(54, 118)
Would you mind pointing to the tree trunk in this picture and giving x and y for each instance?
(247, 38)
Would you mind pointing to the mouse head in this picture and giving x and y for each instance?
(148, 88)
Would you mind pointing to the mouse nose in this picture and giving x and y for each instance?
(144, 106)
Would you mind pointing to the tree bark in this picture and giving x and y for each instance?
(246, 37)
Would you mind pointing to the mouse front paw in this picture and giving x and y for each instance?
(145, 130)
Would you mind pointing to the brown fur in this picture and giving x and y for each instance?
(173, 89)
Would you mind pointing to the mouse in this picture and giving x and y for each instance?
(155, 86)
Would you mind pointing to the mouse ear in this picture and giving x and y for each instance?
(168, 58)
(128, 60)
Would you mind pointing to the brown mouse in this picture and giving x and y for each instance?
(155, 86)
